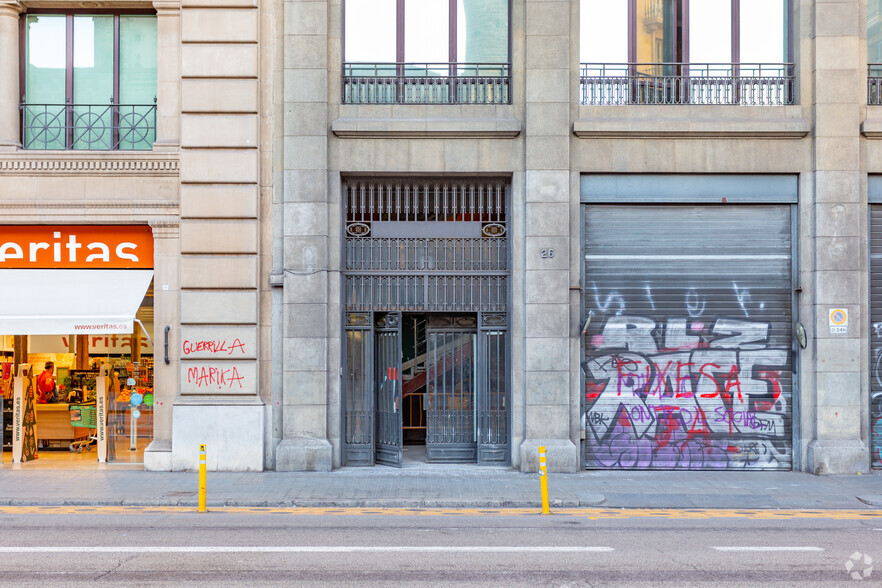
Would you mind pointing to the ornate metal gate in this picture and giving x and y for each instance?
(451, 406)
(426, 246)
(388, 379)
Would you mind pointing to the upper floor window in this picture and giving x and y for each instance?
(686, 52)
(89, 81)
(874, 51)
(426, 51)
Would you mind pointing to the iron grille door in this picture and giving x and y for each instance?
(358, 391)
(388, 385)
(451, 407)
(493, 427)
(689, 346)
(876, 335)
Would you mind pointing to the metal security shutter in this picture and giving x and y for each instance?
(876, 336)
(688, 348)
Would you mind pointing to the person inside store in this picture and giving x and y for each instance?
(46, 385)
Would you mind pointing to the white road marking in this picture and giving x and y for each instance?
(305, 549)
(766, 548)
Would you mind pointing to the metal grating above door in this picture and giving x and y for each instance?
(433, 245)
(688, 349)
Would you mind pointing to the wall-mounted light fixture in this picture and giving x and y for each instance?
(799, 333)
(587, 322)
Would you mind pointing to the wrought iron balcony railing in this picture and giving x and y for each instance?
(874, 83)
(748, 84)
(426, 83)
(88, 126)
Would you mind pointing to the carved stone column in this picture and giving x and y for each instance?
(10, 138)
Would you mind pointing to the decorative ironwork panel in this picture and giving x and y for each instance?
(432, 255)
(438, 200)
(426, 83)
(746, 84)
(874, 83)
(467, 293)
(88, 126)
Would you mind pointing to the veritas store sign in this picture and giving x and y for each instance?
(76, 247)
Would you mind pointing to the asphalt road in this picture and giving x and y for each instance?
(588, 547)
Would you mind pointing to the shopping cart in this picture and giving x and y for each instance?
(83, 416)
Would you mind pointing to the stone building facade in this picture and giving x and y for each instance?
(620, 265)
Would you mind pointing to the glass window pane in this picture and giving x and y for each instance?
(603, 31)
(93, 82)
(764, 31)
(482, 31)
(655, 31)
(874, 31)
(426, 31)
(46, 55)
(710, 31)
(137, 82)
(370, 30)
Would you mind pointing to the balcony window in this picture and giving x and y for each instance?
(426, 52)
(685, 52)
(89, 81)
(874, 51)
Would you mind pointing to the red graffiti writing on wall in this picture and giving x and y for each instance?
(206, 377)
(216, 347)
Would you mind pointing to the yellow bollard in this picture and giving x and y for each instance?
(543, 480)
(202, 478)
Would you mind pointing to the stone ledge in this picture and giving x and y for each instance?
(106, 163)
(686, 129)
(692, 121)
(872, 128)
(420, 128)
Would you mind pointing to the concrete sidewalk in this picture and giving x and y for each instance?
(442, 486)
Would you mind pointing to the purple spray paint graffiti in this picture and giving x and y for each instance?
(686, 394)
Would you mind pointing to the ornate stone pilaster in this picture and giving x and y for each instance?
(10, 133)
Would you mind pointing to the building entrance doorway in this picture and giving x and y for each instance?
(426, 293)
(437, 390)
